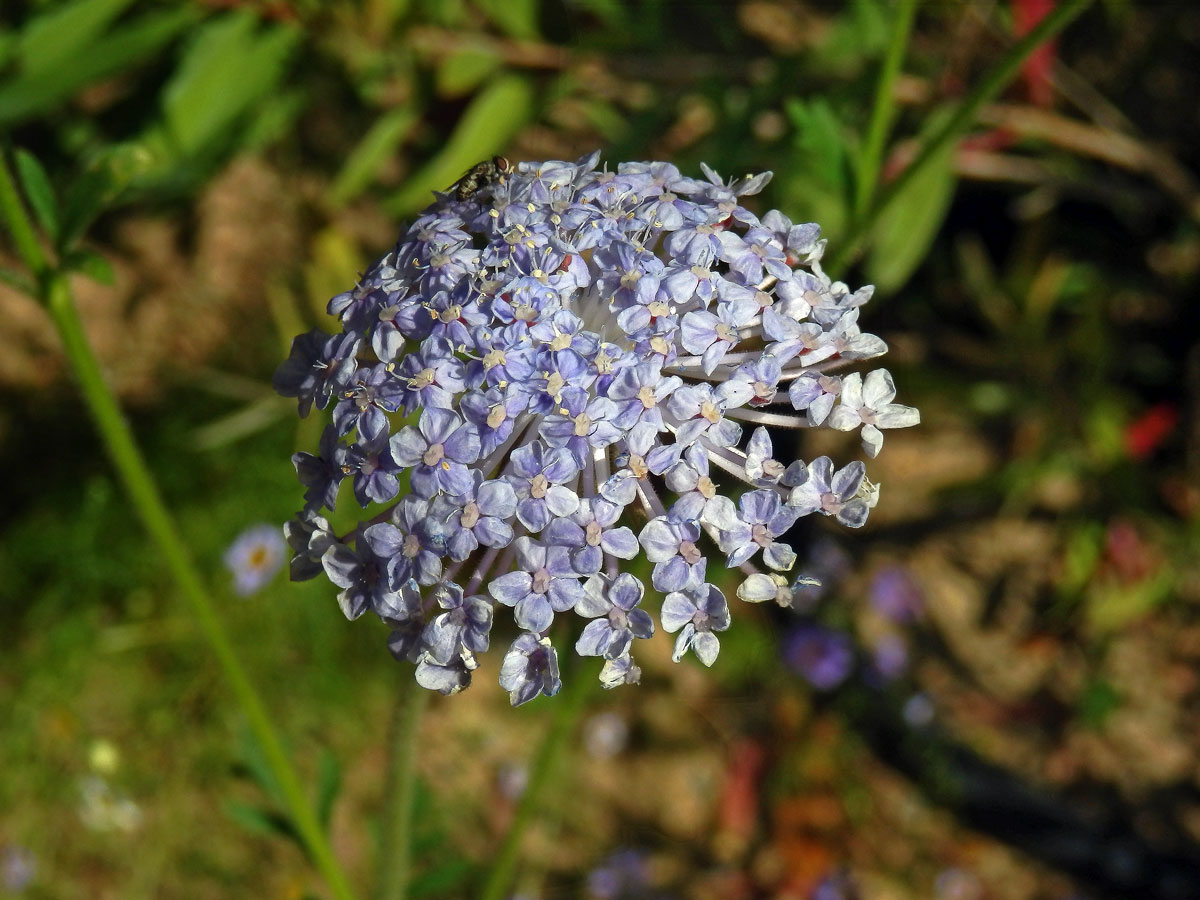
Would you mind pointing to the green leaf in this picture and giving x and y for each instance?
(905, 231)
(610, 12)
(1099, 700)
(333, 261)
(446, 13)
(379, 143)
(87, 197)
(819, 139)
(606, 118)
(516, 18)
(857, 34)
(91, 264)
(493, 117)
(1081, 555)
(18, 281)
(329, 783)
(442, 879)
(464, 70)
(819, 189)
(230, 65)
(250, 419)
(382, 16)
(272, 119)
(255, 764)
(55, 37)
(39, 192)
(36, 94)
(99, 185)
(1112, 606)
(956, 121)
(8, 44)
(256, 820)
(1104, 432)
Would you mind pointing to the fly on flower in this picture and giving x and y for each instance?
(479, 176)
(577, 370)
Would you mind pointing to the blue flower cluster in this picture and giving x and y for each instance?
(549, 356)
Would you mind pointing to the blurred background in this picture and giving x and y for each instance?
(993, 697)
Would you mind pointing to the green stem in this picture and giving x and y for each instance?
(884, 109)
(991, 86)
(567, 707)
(135, 475)
(394, 868)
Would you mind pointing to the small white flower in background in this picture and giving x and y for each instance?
(919, 711)
(103, 809)
(254, 557)
(605, 735)
(512, 779)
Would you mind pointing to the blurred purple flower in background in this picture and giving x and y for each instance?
(895, 594)
(829, 565)
(835, 886)
(890, 656)
(823, 656)
(512, 779)
(958, 884)
(605, 735)
(254, 557)
(574, 349)
(623, 876)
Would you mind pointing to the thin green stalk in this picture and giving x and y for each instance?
(567, 706)
(394, 868)
(146, 500)
(135, 475)
(986, 90)
(884, 110)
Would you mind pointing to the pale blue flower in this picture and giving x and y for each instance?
(562, 371)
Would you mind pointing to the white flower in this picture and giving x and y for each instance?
(868, 402)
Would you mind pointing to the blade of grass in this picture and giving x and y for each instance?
(396, 845)
(380, 142)
(884, 110)
(493, 117)
(985, 91)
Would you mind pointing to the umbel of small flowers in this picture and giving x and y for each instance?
(559, 371)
